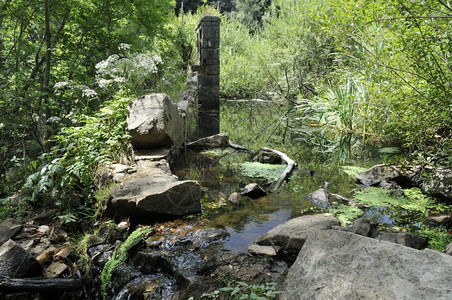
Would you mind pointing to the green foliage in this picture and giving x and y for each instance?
(243, 291)
(120, 255)
(399, 48)
(438, 238)
(413, 201)
(5, 209)
(288, 55)
(346, 214)
(69, 167)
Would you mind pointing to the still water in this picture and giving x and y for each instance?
(254, 124)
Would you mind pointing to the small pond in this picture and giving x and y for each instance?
(321, 157)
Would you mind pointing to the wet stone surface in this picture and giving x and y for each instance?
(183, 259)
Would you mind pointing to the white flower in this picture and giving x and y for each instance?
(103, 83)
(89, 93)
(119, 79)
(124, 46)
(61, 84)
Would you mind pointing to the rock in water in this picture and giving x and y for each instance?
(155, 195)
(220, 140)
(343, 265)
(321, 198)
(291, 236)
(254, 191)
(154, 121)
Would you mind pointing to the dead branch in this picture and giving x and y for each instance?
(291, 165)
(237, 147)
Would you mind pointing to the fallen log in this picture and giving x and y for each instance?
(40, 284)
(237, 147)
(291, 165)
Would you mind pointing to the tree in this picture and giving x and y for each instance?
(48, 42)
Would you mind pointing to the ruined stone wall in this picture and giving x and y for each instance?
(208, 61)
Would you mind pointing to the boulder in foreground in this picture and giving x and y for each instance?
(343, 265)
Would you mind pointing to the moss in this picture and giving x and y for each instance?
(267, 171)
(120, 255)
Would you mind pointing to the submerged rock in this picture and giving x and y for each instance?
(253, 191)
(320, 198)
(342, 265)
(154, 121)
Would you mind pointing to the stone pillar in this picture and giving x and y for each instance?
(208, 61)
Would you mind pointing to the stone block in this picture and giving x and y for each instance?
(209, 54)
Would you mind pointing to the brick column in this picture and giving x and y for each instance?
(208, 60)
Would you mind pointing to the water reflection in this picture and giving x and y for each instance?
(318, 153)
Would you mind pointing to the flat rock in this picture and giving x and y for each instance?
(291, 236)
(220, 140)
(57, 269)
(154, 121)
(262, 250)
(152, 154)
(320, 198)
(15, 262)
(154, 195)
(343, 265)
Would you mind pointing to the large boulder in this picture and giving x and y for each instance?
(387, 173)
(15, 262)
(439, 184)
(291, 236)
(154, 121)
(343, 265)
(154, 195)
